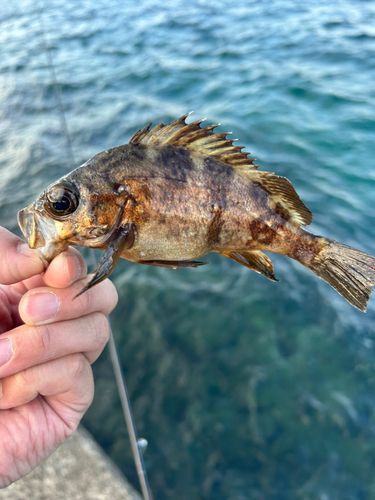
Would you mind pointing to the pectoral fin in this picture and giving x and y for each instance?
(255, 260)
(172, 263)
(121, 239)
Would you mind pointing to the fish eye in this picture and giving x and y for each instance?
(61, 200)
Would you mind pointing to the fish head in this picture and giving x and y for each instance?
(77, 210)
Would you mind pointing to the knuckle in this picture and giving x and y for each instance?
(21, 380)
(10, 270)
(102, 297)
(85, 300)
(107, 296)
(113, 295)
(78, 365)
(100, 330)
(41, 340)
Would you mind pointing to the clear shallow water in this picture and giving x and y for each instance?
(245, 389)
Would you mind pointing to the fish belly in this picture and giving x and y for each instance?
(173, 241)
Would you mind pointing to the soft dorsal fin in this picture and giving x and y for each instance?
(255, 260)
(283, 194)
(203, 140)
(192, 136)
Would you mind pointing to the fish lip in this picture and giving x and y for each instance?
(29, 228)
(40, 234)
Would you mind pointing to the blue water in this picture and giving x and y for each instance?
(245, 389)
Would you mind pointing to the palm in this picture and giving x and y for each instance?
(24, 437)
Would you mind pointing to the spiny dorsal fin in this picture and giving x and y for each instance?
(205, 141)
(255, 260)
(282, 193)
(192, 136)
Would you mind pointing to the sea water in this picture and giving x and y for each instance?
(244, 388)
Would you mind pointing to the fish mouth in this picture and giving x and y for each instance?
(29, 228)
(40, 234)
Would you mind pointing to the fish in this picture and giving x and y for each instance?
(177, 192)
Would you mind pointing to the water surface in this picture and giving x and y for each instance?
(244, 389)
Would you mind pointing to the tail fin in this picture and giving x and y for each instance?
(349, 271)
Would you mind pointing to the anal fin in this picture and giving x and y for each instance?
(255, 260)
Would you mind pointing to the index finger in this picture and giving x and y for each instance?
(17, 261)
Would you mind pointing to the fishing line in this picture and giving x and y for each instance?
(55, 85)
(137, 445)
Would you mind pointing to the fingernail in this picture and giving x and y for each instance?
(6, 350)
(41, 307)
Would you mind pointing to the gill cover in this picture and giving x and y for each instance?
(121, 239)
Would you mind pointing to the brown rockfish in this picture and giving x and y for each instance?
(177, 192)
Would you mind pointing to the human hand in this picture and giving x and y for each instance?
(47, 344)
